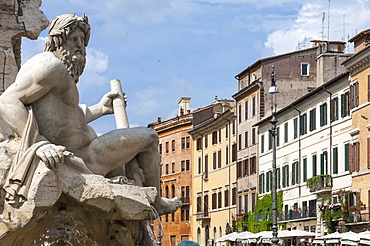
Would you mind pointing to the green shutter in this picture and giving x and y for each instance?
(346, 157)
(335, 160)
(342, 105)
(314, 165)
(304, 170)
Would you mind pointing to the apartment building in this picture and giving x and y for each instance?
(214, 171)
(313, 138)
(358, 67)
(297, 73)
(175, 149)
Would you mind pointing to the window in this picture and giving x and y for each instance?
(227, 155)
(173, 145)
(233, 154)
(305, 69)
(314, 165)
(167, 147)
(173, 191)
(270, 141)
(173, 167)
(262, 183)
(240, 141)
(206, 163)
(304, 169)
(323, 114)
(262, 143)
(167, 169)
(277, 136)
(199, 165)
(234, 127)
(233, 198)
(254, 106)
(219, 135)
(239, 113)
(214, 200)
(199, 204)
(354, 100)
(285, 180)
(286, 131)
(253, 136)
(206, 140)
(324, 162)
(246, 110)
(245, 203)
(268, 181)
(214, 137)
(295, 128)
(239, 169)
(219, 199)
(344, 104)
(335, 160)
(182, 143)
(160, 149)
(227, 130)
(346, 157)
(295, 173)
(303, 124)
(245, 167)
(226, 198)
(334, 109)
(313, 119)
(278, 178)
(214, 160)
(219, 158)
(246, 139)
(355, 157)
(253, 164)
(199, 144)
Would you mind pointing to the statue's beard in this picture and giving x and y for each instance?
(75, 63)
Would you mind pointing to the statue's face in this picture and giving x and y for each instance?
(75, 43)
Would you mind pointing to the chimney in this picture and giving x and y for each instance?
(184, 105)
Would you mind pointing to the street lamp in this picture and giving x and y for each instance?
(273, 90)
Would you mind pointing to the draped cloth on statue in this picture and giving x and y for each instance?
(25, 162)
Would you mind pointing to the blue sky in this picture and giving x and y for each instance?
(166, 49)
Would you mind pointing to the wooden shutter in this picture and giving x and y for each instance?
(351, 149)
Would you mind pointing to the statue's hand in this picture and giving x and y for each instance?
(106, 103)
(51, 154)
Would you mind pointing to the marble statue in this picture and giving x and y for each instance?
(42, 107)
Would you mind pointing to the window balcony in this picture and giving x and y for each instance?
(320, 183)
(296, 214)
(204, 215)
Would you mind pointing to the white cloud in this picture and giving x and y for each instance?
(96, 63)
(308, 24)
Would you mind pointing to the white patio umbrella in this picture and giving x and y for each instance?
(350, 238)
(227, 237)
(332, 237)
(365, 237)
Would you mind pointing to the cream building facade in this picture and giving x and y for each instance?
(312, 155)
(213, 171)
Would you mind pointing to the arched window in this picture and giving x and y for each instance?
(173, 191)
(214, 233)
(206, 234)
(220, 232)
(167, 191)
(198, 235)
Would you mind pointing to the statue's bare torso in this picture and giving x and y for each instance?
(58, 114)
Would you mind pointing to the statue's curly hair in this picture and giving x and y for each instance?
(62, 26)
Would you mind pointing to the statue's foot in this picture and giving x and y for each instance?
(166, 205)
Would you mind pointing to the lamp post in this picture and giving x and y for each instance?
(273, 90)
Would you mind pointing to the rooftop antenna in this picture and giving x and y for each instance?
(323, 26)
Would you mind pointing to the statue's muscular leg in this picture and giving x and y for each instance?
(114, 149)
